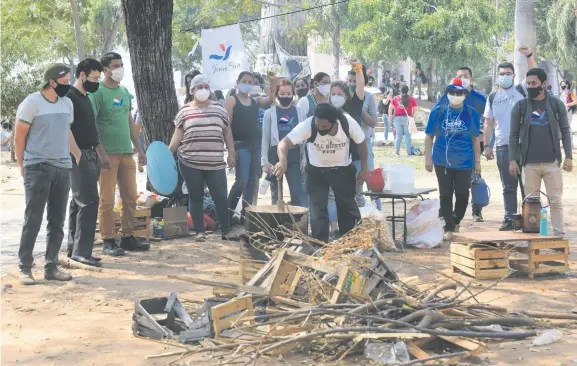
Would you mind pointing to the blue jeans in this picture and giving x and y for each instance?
(386, 123)
(247, 173)
(293, 176)
(508, 182)
(304, 192)
(402, 126)
(370, 166)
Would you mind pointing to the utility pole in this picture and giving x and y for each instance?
(77, 32)
(496, 55)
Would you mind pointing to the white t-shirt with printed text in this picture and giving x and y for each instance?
(500, 111)
(328, 151)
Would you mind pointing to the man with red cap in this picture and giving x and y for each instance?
(452, 148)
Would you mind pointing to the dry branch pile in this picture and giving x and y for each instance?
(343, 299)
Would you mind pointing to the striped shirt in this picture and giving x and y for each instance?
(202, 145)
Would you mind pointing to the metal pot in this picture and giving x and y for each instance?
(268, 218)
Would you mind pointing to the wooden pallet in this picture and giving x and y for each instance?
(479, 261)
(539, 257)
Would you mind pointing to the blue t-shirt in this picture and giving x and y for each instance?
(474, 99)
(454, 131)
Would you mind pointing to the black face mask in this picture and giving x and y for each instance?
(62, 89)
(563, 87)
(534, 92)
(302, 92)
(90, 86)
(285, 101)
(325, 132)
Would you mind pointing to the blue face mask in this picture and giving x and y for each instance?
(244, 88)
(506, 81)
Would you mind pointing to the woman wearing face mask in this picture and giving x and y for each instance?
(401, 107)
(301, 88)
(187, 79)
(568, 96)
(454, 129)
(279, 121)
(246, 132)
(202, 128)
(322, 89)
(328, 136)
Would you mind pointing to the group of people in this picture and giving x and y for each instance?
(529, 126)
(73, 139)
(316, 133)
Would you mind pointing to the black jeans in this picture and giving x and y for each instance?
(215, 180)
(83, 210)
(343, 182)
(45, 186)
(457, 183)
(508, 182)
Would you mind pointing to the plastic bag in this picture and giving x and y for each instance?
(424, 229)
(412, 126)
(387, 353)
(369, 210)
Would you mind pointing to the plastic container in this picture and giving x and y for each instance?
(544, 223)
(400, 178)
(264, 185)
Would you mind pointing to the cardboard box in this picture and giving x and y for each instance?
(175, 222)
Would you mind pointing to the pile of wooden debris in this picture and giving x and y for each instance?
(337, 301)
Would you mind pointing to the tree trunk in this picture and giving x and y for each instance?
(336, 42)
(280, 27)
(110, 36)
(525, 34)
(77, 32)
(149, 34)
(433, 84)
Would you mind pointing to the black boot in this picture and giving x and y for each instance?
(130, 243)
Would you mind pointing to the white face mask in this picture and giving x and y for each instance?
(456, 99)
(324, 89)
(466, 82)
(118, 74)
(338, 101)
(202, 95)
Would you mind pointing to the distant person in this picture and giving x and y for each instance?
(419, 78)
(383, 108)
(187, 79)
(386, 80)
(568, 96)
(538, 126)
(371, 82)
(301, 88)
(44, 144)
(402, 106)
(5, 137)
(452, 149)
(219, 97)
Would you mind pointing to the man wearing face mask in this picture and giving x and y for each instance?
(117, 132)
(477, 101)
(44, 143)
(83, 210)
(538, 123)
(498, 118)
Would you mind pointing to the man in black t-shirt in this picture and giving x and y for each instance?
(84, 175)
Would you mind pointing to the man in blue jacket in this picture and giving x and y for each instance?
(477, 101)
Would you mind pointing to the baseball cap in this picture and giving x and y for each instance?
(54, 72)
(456, 84)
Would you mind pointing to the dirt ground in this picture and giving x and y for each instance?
(87, 321)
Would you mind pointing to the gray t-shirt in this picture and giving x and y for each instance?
(369, 105)
(47, 139)
(500, 111)
(541, 148)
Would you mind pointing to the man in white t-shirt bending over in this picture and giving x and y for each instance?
(498, 116)
(328, 134)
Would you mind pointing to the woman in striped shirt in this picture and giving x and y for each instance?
(202, 130)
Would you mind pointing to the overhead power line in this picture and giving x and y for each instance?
(196, 29)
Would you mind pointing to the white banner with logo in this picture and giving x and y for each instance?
(223, 56)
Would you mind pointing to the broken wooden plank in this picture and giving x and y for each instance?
(281, 284)
(298, 304)
(275, 270)
(469, 344)
(416, 351)
(232, 312)
(250, 289)
(310, 262)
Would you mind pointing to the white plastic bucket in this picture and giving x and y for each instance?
(400, 178)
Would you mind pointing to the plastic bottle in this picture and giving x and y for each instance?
(544, 224)
(264, 185)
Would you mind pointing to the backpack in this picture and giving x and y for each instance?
(519, 89)
(312, 105)
(352, 145)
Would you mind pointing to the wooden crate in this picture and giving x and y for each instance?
(549, 256)
(479, 261)
(142, 225)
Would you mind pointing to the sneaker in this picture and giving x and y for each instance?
(199, 237)
(56, 275)
(478, 217)
(230, 237)
(448, 236)
(111, 248)
(26, 278)
(132, 244)
(507, 225)
(457, 228)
